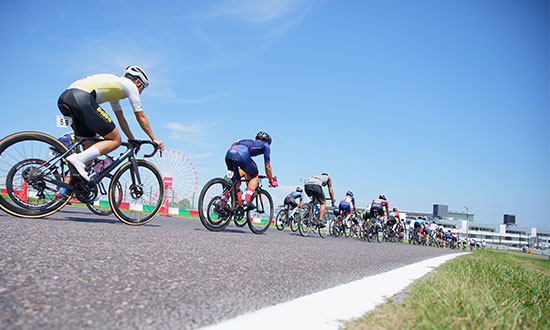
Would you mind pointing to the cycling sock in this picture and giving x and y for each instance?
(239, 196)
(88, 154)
(248, 195)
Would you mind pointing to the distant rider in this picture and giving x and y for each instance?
(345, 206)
(394, 219)
(290, 200)
(314, 189)
(379, 207)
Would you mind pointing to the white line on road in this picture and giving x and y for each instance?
(325, 309)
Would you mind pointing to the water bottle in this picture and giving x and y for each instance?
(101, 165)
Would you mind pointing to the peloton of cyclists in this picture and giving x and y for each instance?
(290, 201)
(81, 101)
(345, 206)
(239, 156)
(313, 187)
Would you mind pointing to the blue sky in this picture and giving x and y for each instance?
(425, 101)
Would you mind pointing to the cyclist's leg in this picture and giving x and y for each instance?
(251, 171)
(319, 196)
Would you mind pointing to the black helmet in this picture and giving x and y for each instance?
(299, 189)
(382, 197)
(349, 193)
(264, 137)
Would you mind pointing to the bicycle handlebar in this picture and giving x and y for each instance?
(139, 143)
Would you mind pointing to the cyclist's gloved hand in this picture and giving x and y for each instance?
(273, 183)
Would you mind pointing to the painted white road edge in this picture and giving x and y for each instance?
(325, 309)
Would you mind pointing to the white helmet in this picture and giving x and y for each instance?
(134, 71)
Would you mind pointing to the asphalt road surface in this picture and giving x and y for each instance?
(76, 270)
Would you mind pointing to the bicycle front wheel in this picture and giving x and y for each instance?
(139, 203)
(30, 174)
(259, 218)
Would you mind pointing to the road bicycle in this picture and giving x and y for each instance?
(341, 225)
(96, 167)
(310, 221)
(284, 219)
(372, 228)
(33, 167)
(219, 203)
(392, 235)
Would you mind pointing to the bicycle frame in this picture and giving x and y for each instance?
(129, 153)
(233, 192)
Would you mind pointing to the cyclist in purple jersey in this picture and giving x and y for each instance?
(240, 156)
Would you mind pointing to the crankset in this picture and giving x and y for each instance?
(85, 191)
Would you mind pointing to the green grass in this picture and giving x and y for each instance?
(481, 290)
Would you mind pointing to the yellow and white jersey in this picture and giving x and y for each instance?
(110, 88)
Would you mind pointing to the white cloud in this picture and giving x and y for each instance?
(199, 129)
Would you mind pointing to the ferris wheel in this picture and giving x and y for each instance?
(180, 176)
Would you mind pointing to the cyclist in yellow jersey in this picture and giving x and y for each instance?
(81, 102)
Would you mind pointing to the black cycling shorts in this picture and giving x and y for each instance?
(315, 191)
(376, 211)
(290, 201)
(88, 117)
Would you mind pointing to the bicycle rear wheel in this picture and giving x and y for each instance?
(346, 227)
(139, 203)
(295, 221)
(281, 220)
(29, 171)
(304, 227)
(259, 218)
(379, 234)
(369, 230)
(215, 202)
(335, 229)
(324, 229)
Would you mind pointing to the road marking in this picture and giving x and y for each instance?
(325, 309)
